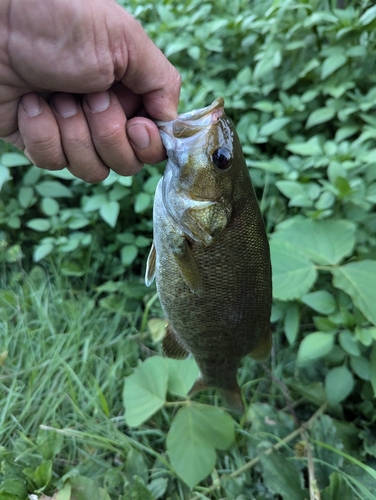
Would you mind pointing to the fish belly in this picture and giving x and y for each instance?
(232, 316)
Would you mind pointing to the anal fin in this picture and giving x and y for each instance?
(172, 345)
(151, 266)
(262, 350)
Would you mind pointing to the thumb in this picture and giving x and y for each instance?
(150, 74)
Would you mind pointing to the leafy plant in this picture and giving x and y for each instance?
(298, 80)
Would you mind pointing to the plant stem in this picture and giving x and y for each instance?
(277, 446)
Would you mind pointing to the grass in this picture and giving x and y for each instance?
(64, 356)
(66, 361)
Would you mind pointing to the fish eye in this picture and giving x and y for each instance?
(222, 158)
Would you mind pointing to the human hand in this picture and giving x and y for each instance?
(79, 80)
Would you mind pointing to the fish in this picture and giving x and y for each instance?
(210, 253)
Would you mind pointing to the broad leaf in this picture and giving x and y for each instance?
(53, 189)
(308, 148)
(128, 254)
(145, 390)
(320, 301)
(42, 250)
(338, 488)
(282, 477)
(274, 125)
(324, 242)
(331, 64)
(40, 225)
(293, 273)
(14, 160)
(339, 383)
(84, 488)
(358, 280)
(372, 361)
(320, 115)
(314, 346)
(181, 375)
(109, 212)
(4, 175)
(195, 433)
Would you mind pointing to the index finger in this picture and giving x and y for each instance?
(150, 74)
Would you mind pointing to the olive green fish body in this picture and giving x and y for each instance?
(210, 255)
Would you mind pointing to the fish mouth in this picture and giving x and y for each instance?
(189, 124)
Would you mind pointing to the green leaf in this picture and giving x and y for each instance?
(13, 489)
(331, 64)
(195, 433)
(157, 328)
(356, 280)
(142, 202)
(361, 367)
(368, 16)
(95, 202)
(314, 346)
(42, 250)
(372, 364)
(41, 475)
(181, 375)
(311, 147)
(109, 212)
(84, 488)
(325, 242)
(349, 343)
(293, 273)
(338, 488)
(264, 66)
(296, 192)
(40, 225)
(128, 254)
(14, 160)
(53, 189)
(4, 175)
(65, 492)
(158, 487)
(339, 383)
(273, 126)
(321, 301)
(145, 390)
(266, 106)
(292, 322)
(50, 207)
(25, 196)
(320, 115)
(282, 477)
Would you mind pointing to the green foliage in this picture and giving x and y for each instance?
(298, 78)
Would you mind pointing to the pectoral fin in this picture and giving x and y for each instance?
(189, 269)
(172, 345)
(151, 266)
(262, 350)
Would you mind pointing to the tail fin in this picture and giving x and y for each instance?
(232, 398)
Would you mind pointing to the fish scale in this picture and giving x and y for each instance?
(210, 254)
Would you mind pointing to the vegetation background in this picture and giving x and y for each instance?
(85, 408)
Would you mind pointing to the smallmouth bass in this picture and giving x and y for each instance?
(210, 254)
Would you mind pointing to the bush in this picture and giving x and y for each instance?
(298, 78)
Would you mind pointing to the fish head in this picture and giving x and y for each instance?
(202, 171)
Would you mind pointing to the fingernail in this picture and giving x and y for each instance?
(65, 105)
(98, 101)
(139, 136)
(31, 105)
